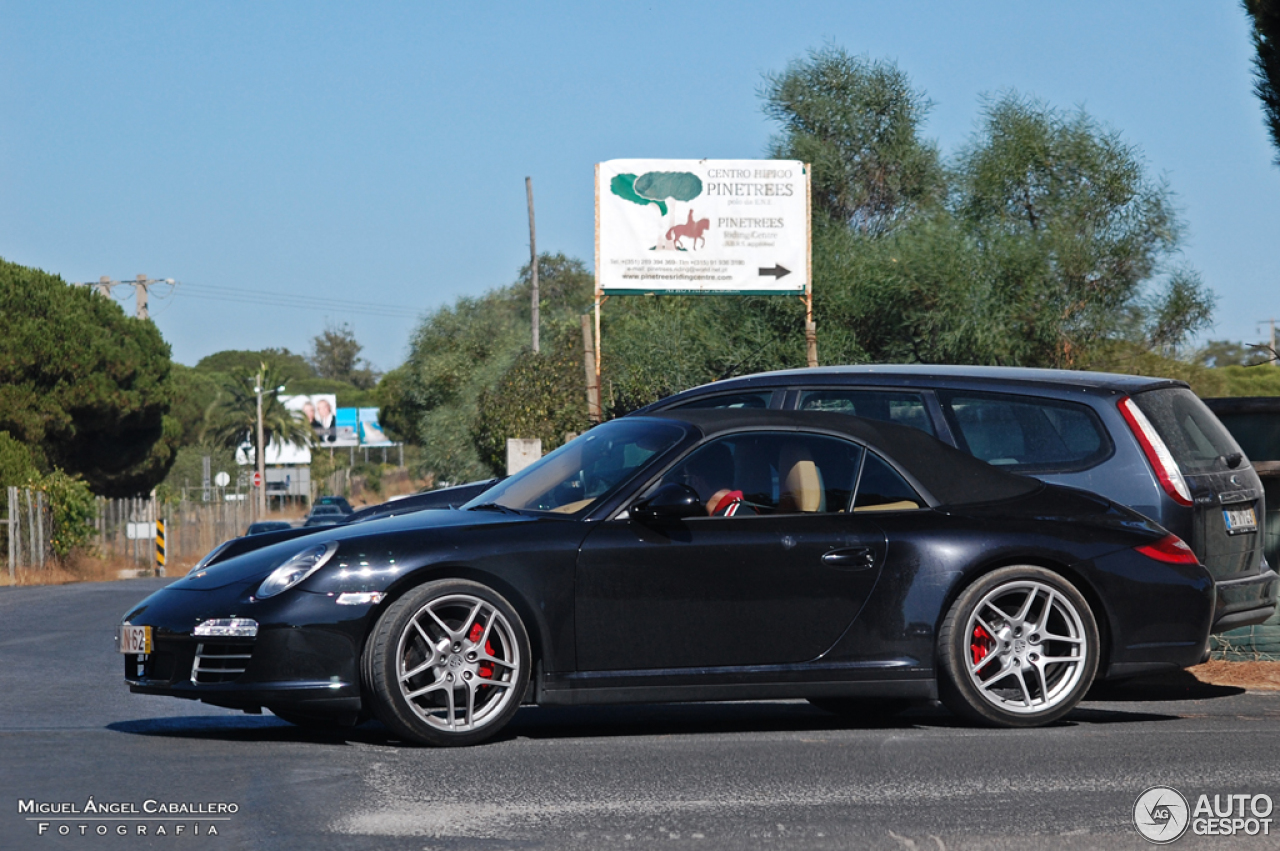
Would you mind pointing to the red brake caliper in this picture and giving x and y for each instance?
(981, 645)
(486, 668)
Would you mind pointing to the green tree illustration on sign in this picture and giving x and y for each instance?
(655, 187)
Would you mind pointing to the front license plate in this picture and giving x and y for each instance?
(1240, 520)
(135, 639)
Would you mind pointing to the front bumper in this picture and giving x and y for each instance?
(305, 656)
(305, 669)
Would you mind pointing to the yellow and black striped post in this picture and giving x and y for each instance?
(159, 547)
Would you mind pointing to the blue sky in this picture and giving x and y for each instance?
(288, 161)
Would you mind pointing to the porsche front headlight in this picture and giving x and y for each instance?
(297, 568)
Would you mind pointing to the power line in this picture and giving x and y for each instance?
(292, 301)
(362, 304)
(217, 292)
(141, 288)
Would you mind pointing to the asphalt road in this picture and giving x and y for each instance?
(707, 776)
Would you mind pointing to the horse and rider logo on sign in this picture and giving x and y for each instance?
(658, 188)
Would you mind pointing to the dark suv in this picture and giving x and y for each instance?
(1148, 443)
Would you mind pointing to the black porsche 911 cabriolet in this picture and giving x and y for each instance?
(693, 555)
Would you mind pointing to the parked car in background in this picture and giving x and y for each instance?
(339, 501)
(690, 556)
(326, 515)
(1148, 443)
(264, 526)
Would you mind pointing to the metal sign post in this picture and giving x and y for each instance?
(159, 547)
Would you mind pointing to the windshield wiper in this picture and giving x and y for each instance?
(493, 506)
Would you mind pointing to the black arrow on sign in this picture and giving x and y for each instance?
(777, 272)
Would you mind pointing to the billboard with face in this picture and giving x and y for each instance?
(333, 426)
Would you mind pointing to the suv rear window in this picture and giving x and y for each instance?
(886, 405)
(1024, 435)
(759, 399)
(1199, 442)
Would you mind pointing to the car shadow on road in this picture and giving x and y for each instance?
(1164, 686)
(577, 722)
(764, 717)
(248, 728)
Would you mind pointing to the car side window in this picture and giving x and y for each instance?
(1024, 434)
(882, 488)
(757, 399)
(771, 473)
(886, 405)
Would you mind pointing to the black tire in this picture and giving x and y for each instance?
(866, 709)
(1018, 648)
(447, 664)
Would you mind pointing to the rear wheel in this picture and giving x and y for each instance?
(448, 663)
(1018, 648)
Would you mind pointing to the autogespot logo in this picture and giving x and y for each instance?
(1160, 814)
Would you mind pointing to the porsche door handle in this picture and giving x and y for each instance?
(851, 558)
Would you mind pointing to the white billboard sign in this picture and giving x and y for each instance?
(702, 226)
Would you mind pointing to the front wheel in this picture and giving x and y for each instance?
(1018, 648)
(448, 663)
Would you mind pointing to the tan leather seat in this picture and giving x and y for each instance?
(801, 481)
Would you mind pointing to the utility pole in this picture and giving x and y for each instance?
(261, 453)
(1275, 356)
(533, 261)
(140, 284)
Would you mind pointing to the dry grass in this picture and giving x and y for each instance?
(1256, 676)
(88, 568)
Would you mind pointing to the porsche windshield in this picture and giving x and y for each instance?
(576, 475)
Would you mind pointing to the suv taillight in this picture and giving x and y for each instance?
(1158, 455)
(1170, 549)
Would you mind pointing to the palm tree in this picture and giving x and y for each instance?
(234, 417)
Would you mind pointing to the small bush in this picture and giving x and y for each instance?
(73, 511)
(541, 396)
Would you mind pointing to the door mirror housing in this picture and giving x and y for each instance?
(672, 501)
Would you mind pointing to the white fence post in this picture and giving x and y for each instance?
(11, 524)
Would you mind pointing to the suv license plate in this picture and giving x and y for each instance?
(1240, 520)
(135, 639)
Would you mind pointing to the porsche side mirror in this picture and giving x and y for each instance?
(672, 501)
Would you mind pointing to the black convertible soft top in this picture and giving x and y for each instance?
(950, 476)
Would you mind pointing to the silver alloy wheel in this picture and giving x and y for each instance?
(457, 659)
(1027, 647)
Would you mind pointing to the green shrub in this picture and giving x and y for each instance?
(541, 395)
(73, 510)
